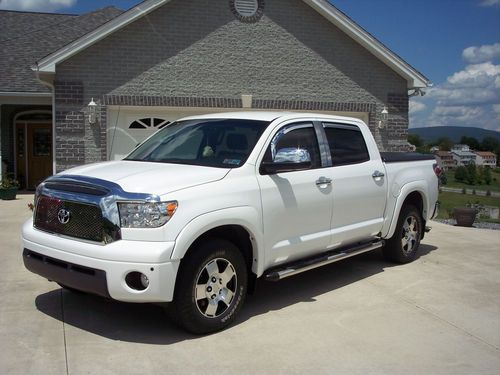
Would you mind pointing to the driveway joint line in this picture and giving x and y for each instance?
(64, 332)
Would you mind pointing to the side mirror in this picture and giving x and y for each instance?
(287, 160)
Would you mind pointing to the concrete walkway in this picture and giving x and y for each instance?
(438, 315)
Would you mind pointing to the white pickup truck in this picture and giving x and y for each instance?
(201, 209)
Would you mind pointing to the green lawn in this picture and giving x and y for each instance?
(451, 200)
(494, 186)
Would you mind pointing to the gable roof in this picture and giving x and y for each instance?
(414, 78)
(26, 37)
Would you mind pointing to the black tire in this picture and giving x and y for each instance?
(402, 247)
(211, 287)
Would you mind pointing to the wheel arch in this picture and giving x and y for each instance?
(414, 195)
(224, 225)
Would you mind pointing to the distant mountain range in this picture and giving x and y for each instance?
(454, 133)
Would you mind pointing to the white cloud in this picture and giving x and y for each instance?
(416, 106)
(469, 97)
(488, 3)
(36, 5)
(475, 55)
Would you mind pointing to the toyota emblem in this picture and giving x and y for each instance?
(63, 216)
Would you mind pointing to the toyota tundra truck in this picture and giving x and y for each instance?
(205, 206)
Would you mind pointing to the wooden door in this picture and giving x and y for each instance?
(39, 153)
(21, 154)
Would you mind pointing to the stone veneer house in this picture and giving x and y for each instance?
(165, 59)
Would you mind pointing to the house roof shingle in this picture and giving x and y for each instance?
(26, 37)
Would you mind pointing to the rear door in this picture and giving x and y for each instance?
(359, 185)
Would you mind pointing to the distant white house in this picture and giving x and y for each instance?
(460, 147)
(486, 158)
(463, 155)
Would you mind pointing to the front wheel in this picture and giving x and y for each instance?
(402, 247)
(211, 287)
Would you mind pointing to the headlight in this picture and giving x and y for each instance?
(145, 214)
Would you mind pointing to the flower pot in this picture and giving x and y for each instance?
(465, 216)
(8, 193)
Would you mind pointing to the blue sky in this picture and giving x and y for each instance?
(455, 43)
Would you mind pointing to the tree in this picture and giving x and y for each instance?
(480, 175)
(461, 174)
(415, 140)
(471, 174)
(489, 144)
(472, 142)
(445, 143)
(487, 176)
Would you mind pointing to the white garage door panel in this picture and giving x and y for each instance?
(121, 138)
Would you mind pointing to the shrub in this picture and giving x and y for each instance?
(487, 176)
(471, 174)
(461, 174)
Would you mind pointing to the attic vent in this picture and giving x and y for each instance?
(247, 10)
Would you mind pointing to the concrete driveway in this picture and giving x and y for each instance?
(438, 315)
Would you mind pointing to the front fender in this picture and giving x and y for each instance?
(245, 216)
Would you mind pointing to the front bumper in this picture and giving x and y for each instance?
(102, 269)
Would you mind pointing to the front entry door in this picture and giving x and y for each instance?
(34, 153)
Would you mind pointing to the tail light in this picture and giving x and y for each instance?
(437, 170)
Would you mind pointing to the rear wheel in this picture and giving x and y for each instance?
(402, 247)
(211, 287)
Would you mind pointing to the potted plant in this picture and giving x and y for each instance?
(465, 216)
(8, 188)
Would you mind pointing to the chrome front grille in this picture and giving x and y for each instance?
(85, 221)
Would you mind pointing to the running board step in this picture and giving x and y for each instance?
(277, 274)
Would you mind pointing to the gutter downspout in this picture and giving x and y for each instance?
(52, 88)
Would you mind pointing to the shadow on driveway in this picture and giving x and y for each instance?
(148, 323)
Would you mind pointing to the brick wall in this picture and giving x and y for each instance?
(77, 141)
(197, 51)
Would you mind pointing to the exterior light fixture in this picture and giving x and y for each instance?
(92, 111)
(384, 117)
(246, 101)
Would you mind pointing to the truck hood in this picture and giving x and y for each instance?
(152, 178)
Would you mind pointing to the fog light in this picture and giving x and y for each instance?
(137, 281)
(144, 280)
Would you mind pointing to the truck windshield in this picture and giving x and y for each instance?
(222, 143)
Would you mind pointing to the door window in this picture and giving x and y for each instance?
(295, 136)
(347, 145)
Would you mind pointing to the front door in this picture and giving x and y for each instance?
(34, 153)
(297, 209)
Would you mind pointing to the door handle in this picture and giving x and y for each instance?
(323, 181)
(378, 174)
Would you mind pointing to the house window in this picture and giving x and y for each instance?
(248, 11)
(149, 123)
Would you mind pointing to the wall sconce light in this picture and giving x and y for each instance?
(383, 118)
(246, 101)
(92, 112)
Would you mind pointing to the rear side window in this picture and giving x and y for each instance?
(347, 145)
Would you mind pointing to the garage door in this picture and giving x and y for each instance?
(128, 126)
